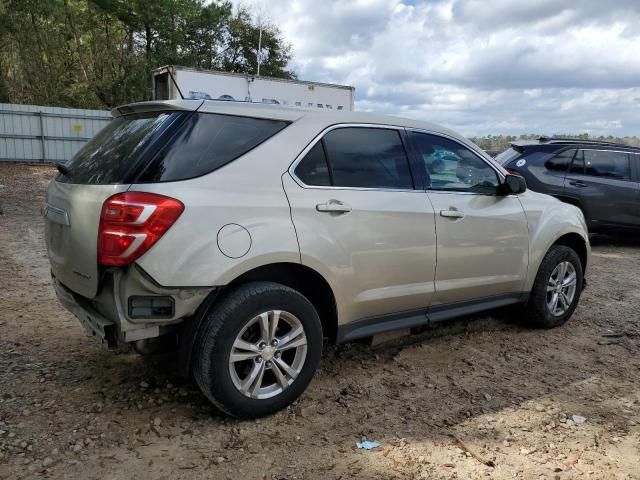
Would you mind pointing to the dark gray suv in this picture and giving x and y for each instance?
(602, 179)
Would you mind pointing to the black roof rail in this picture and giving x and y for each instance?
(579, 140)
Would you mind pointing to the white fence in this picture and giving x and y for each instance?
(30, 133)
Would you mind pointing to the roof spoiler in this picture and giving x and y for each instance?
(155, 106)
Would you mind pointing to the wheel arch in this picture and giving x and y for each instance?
(577, 243)
(305, 280)
(299, 277)
(572, 237)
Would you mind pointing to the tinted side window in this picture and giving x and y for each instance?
(367, 158)
(600, 163)
(452, 166)
(117, 149)
(577, 166)
(313, 170)
(206, 142)
(561, 162)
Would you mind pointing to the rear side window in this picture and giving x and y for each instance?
(118, 149)
(561, 162)
(602, 163)
(313, 169)
(166, 146)
(207, 141)
(367, 158)
(577, 166)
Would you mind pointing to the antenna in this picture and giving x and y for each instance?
(259, 53)
(176, 83)
(259, 47)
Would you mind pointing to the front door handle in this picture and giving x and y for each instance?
(333, 206)
(577, 183)
(451, 213)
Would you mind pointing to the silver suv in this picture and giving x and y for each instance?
(246, 234)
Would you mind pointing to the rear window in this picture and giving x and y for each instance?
(506, 156)
(166, 146)
(117, 150)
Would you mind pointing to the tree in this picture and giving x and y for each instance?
(241, 51)
(499, 143)
(99, 53)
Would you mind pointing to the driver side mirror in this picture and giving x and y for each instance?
(513, 184)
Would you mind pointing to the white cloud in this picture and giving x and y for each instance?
(478, 66)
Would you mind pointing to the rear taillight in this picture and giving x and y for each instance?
(512, 171)
(131, 222)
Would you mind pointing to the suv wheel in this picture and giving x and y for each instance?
(258, 349)
(557, 288)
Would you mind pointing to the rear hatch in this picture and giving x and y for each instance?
(106, 165)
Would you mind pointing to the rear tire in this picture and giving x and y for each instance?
(556, 290)
(257, 349)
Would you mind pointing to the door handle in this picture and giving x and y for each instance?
(451, 213)
(577, 183)
(333, 206)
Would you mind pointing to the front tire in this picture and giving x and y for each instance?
(556, 290)
(258, 349)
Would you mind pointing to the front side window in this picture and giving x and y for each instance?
(451, 166)
(602, 163)
(363, 157)
(561, 162)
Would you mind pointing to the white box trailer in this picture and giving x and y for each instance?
(169, 81)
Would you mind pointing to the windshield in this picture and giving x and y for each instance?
(117, 150)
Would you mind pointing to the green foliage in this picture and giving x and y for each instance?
(499, 143)
(100, 53)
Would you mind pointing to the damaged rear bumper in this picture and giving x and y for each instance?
(95, 324)
(107, 316)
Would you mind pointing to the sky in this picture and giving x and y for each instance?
(477, 66)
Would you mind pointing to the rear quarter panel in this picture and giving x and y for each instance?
(246, 192)
(548, 219)
(539, 177)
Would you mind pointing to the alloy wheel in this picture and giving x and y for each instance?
(561, 288)
(268, 354)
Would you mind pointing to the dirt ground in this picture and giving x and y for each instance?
(538, 404)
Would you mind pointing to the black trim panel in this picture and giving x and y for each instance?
(384, 323)
(461, 309)
(368, 327)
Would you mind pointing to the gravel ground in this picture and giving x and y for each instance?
(534, 404)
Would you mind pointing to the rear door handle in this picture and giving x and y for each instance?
(451, 213)
(333, 206)
(577, 183)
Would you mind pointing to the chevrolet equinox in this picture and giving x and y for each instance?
(249, 233)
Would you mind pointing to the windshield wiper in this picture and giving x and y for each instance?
(62, 168)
